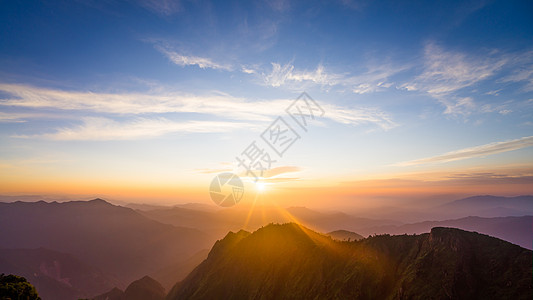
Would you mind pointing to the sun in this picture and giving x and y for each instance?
(260, 186)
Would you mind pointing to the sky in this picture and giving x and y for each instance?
(147, 101)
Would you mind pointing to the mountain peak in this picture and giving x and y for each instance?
(145, 288)
(289, 261)
(99, 201)
(345, 235)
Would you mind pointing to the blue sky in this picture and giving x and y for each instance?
(106, 96)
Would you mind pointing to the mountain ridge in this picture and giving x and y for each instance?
(101, 234)
(289, 261)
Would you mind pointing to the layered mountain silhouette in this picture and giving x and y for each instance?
(116, 240)
(179, 269)
(517, 230)
(491, 206)
(55, 275)
(292, 262)
(80, 249)
(145, 288)
(219, 222)
(486, 206)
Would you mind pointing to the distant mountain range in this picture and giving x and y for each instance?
(517, 230)
(55, 275)
(412, 211)
(80, 249)
(116, 240)
(292, 262)
(219, 222)
(489, 206)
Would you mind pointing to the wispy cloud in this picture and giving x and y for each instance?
(214, 170)
(502, 109)
(280, 171)
(446, 72)
(140, 103)
(184, 60)
(375, 78)
(269, 174)
(359, 116)
(220, 105)
(162, 7)
(279, 5)
(523, 73)
(478, 151)
(286, 74)
(103, 129)
(12, 117)
(489, 177)
(274, 175)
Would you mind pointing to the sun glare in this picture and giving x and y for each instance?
(261, 187)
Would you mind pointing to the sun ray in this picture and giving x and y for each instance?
(251, 211)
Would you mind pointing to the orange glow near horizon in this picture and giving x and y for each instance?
(310, 193)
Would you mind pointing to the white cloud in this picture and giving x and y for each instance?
(103, 129)
(138, 103)
(371, 87)
(183, 60)
(18, 117)
(375, 79)
(501, 108)
(524, 72)
(463, 106)
(12, 117)
(286, 74)
(220, 105)
(446, 72)
(505, 111)
(248, 70)
(359, 116)
(478, 151)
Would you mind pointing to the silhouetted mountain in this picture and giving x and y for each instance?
(145, 288)
(199, 206)
(345, 235)
(114, 239)
(178, 270)
(517, 230)
(219, 222)
(291, 262)
(438, 209)
(489, 206)
(55, 275)
(144, 207)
